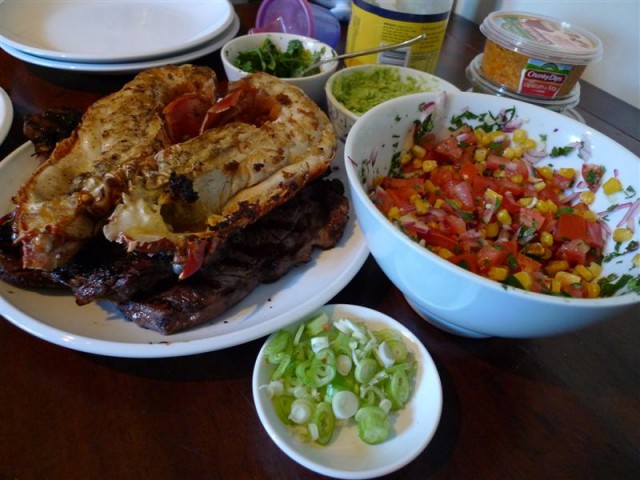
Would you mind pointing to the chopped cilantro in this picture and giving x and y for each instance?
(561, 151)
(611, 284)
(270, 59)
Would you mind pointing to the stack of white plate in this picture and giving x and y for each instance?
(111, 36)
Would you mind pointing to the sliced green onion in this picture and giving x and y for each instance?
(365, 370)
(398, 388)
(373, 425)
(325, 420)
(317, 324)
(345, 404)
(301, 410)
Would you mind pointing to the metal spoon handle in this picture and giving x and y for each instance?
(393, 46)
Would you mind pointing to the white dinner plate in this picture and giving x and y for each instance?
(100, 328)
(6, 114)
(98, 31)
(130, 67)
(346, 456)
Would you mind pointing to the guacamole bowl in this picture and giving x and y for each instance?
(353, 90)
(457, 296)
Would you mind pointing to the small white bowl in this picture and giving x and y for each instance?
(343, 119)
(346, 456)
(312, 85)
(448, 296)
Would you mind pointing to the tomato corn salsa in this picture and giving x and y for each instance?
(479, 199)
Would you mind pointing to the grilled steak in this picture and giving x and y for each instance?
(145, 287)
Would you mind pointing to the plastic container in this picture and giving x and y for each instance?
(481, 84)
(536, 55)
(299, 17)
(375, 23)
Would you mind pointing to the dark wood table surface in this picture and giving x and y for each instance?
(565, 407)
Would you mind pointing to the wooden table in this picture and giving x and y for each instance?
(563, 407)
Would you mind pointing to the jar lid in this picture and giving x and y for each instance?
(483, 85)
(542, 37)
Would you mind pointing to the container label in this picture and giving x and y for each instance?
(369, 28)
(543, 79)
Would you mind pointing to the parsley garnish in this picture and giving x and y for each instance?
(561, 151)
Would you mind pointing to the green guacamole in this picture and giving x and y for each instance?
(364, 89)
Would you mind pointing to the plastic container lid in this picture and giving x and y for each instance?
(482, 84)
(299, 17)
(542, 37)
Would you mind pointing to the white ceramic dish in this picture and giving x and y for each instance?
(6, 114)
(346, 456)
(99, 327)
(343, 119)
(312, 85)
(129, 67)
(449, 296)
(108, 31)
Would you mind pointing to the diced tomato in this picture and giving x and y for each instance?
(402, 199)
(382, 200)
(470, 170)
(571, 227)
(442, 175)
(595, 235)
(527, 264)
(449, 150)
(416, 185)
(575, 252)
(592, 175)
(466, 261)
(461, 191)
(456, 225)
(491, 256)
(530, 217)
(561, 182)
(440, 239)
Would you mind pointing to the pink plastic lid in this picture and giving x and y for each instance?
(288, 16)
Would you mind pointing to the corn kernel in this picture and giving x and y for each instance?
(539, 186)
(422, 206)
(503, 217)
(509, 153)
(595, 269)
(445, 253)
(556, 286)
(518, 150)
(555, 266)
(622, 235)
(551, 207)
(485, 140)
(525, 201)
(546, 239)
(542, 206)
(418, 151)
(416, 163)
(493, 195)
(587, 197)
(529, 144)
(492, 229)
(546, 172)
(519, 135)
(517, 178)
(393, 213)
(429, 165)
(593, 289)
(636, 260)
(584, 272)
(480, 155)
(498, 273)
(590, 215)
(406, 158)
(569, 173)
(525, 279)
(430, 186)
(438, 203)
(536, 249)
(566, 278)
(611, 186)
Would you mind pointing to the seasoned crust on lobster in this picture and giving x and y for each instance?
(68, 197)
(123, 173)
(261, 144)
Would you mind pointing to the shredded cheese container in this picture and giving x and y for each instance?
(536, 55)
(377, 23)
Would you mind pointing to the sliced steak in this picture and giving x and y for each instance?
(262, 253)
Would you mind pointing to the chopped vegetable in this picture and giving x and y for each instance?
(270, 59)
(479, 199)
(319, 390)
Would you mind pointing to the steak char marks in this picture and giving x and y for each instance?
(261, 253)
(145, 287)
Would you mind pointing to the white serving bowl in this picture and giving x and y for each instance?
(346, 456)
(343, 118)
(312, 85)
(449, 296)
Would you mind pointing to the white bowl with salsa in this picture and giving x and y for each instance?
(432, 253)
